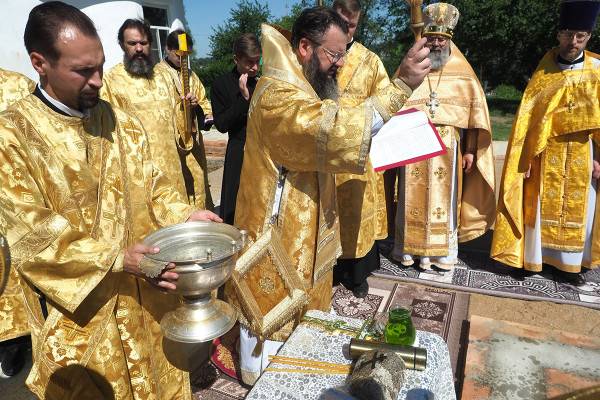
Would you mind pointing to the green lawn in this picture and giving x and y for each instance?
(501, 124)
(502, 113)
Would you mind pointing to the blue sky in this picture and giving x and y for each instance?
(203, 15)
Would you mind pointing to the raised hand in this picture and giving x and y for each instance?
(243, 84)
(416, 65)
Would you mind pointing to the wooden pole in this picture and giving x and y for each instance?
(416, 17)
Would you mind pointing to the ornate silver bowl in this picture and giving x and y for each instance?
(204, 254)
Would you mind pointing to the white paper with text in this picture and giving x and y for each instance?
(406, 138)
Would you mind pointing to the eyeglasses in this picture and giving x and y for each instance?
(333, 56)
(440, 39)
(570, 35)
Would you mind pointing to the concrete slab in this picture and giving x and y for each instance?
(215, 179)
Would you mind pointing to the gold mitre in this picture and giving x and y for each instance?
(440, 19)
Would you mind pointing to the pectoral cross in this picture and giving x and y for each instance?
(571, 104)
(433, 103)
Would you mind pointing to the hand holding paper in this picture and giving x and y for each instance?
(408, 137)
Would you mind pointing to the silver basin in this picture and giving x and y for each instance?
(204, 254)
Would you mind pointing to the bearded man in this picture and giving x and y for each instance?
(450, 198)
(136, 86)
(298, 136)
(79, 194)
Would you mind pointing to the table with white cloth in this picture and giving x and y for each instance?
(309, 342)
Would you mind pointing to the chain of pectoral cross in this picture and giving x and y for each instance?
(570, 101)
(433, 103)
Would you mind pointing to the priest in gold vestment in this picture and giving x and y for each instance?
(193, 157)
(361, 197)
(13, 316)
(80, 192)
(450, 198)
(138, 87)
(547, 205)
(298, 136)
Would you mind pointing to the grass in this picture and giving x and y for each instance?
(501, 124)
(502, 113)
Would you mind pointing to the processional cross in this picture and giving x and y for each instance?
(416, 23)
(184, 76)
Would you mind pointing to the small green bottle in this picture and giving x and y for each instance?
(400, 329)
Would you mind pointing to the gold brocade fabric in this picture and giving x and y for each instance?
(13, 316)
(361, 198)
(196, 86)
(462, 105)
(290, 127)
(77, 192)
(194, 165)
(152, 101)
(554, 139)
(426, 198)
(13, 87)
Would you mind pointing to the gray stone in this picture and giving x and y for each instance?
(377, 375)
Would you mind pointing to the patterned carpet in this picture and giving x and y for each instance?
(476, 272)
(433, 310)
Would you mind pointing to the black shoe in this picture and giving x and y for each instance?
(12, 359)
(522, 274)
(361, 290)
(570, 278)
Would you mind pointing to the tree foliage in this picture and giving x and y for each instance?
(503, 40)
(246, 16)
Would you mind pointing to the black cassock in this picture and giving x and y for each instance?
(230, 113)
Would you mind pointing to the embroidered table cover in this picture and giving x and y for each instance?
(331, 344)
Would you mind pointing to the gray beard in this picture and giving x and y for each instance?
(326, 87)
(138, 66)
(439, 58)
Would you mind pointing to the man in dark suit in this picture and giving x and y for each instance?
(230, 99)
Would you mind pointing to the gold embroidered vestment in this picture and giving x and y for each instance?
(153, 101)
(78, 192)
(361, 197)
(13, 316)
(426, 193)
(193, 160)
(290, 127)
(552, 135)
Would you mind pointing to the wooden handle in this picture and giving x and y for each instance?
(416, 17)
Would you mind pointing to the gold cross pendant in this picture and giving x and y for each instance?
(571, 104)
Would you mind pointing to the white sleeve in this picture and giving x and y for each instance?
(376, 123)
